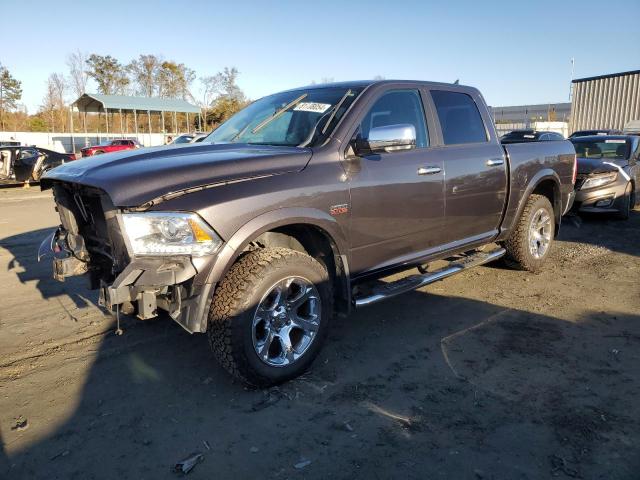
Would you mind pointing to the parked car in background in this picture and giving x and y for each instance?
(25, 164)
(199, 137)
(182, 139)
(189, 138)
(295, 207)
(589, 133)
(524, 136)
(110, 146)
(608, 174)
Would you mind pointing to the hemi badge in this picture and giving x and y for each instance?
(339, 209)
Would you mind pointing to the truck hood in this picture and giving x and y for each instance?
(134, 177)
(588, 166)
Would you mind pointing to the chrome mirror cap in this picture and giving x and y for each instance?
(392, 137)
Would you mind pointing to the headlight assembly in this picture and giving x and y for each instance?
(599, 180)
(169, 233)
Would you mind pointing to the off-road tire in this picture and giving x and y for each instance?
(235, 302)
(517, 245)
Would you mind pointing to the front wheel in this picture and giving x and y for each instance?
(269, 315)
(627, 202)
(530, 240)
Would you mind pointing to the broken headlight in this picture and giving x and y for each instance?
(169, 233)
(599, 180)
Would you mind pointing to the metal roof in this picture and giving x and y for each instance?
(98, 103)
(609, 75)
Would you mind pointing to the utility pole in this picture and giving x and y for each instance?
(573, 64)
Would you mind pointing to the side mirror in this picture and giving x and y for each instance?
(387, 139)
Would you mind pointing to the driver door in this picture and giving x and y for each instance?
(397, 197)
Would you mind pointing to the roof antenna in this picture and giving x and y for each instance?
(457, 82)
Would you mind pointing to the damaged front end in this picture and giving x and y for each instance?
(139, 262)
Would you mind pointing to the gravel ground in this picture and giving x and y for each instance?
(491, 374)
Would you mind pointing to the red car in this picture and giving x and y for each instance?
(110, 146)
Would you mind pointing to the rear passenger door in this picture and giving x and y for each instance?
(476, 170)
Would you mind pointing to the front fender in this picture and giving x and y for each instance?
(269, 221)
(196, 317)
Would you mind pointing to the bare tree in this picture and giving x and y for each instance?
(221, 96)
(208, 93)
(59, 88)
(221, 89)
(78, 76)
(48, 107)
(53, 105)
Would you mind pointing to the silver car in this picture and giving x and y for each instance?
(608, 174)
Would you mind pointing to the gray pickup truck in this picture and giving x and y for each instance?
(295, 208)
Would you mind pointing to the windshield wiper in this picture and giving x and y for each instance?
(240, 133)
(334, 111)
(331, 113)
(277, 114)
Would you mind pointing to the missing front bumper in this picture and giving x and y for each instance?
(160, 283)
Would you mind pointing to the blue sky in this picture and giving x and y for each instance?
(515, 52)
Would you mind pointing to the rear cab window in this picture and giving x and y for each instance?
(460, 119)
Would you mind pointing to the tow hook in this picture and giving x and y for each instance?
(119, 331)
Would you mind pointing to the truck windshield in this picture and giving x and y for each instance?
(294, 118)
(615, 149)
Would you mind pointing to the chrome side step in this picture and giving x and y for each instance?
(407, 284)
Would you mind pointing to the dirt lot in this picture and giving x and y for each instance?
(493, 374)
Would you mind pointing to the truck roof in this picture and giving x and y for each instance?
(366, 83)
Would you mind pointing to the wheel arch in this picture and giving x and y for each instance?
(547, 183)
(304, 229)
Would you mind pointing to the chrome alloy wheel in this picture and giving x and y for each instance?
(540, 233)
(286, 321)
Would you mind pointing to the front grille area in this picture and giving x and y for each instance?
(89, 213)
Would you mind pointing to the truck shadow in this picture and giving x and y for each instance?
(604, 231)
(423, 385)
(23, 250)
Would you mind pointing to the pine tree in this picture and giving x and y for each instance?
(10, 93)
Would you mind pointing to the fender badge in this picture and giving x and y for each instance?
(339, 209)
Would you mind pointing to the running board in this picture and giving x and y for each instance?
(388, 290)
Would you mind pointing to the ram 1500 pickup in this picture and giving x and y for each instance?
(295, 208)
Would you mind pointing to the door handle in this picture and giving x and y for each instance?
(429, 170)
(494, 162)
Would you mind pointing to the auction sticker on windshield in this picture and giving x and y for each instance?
(312, 107)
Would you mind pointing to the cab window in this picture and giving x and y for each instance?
(460, 119)
(397, 107)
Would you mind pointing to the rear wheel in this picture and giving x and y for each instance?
(98, 152)
(269, 315)
(530, 241)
